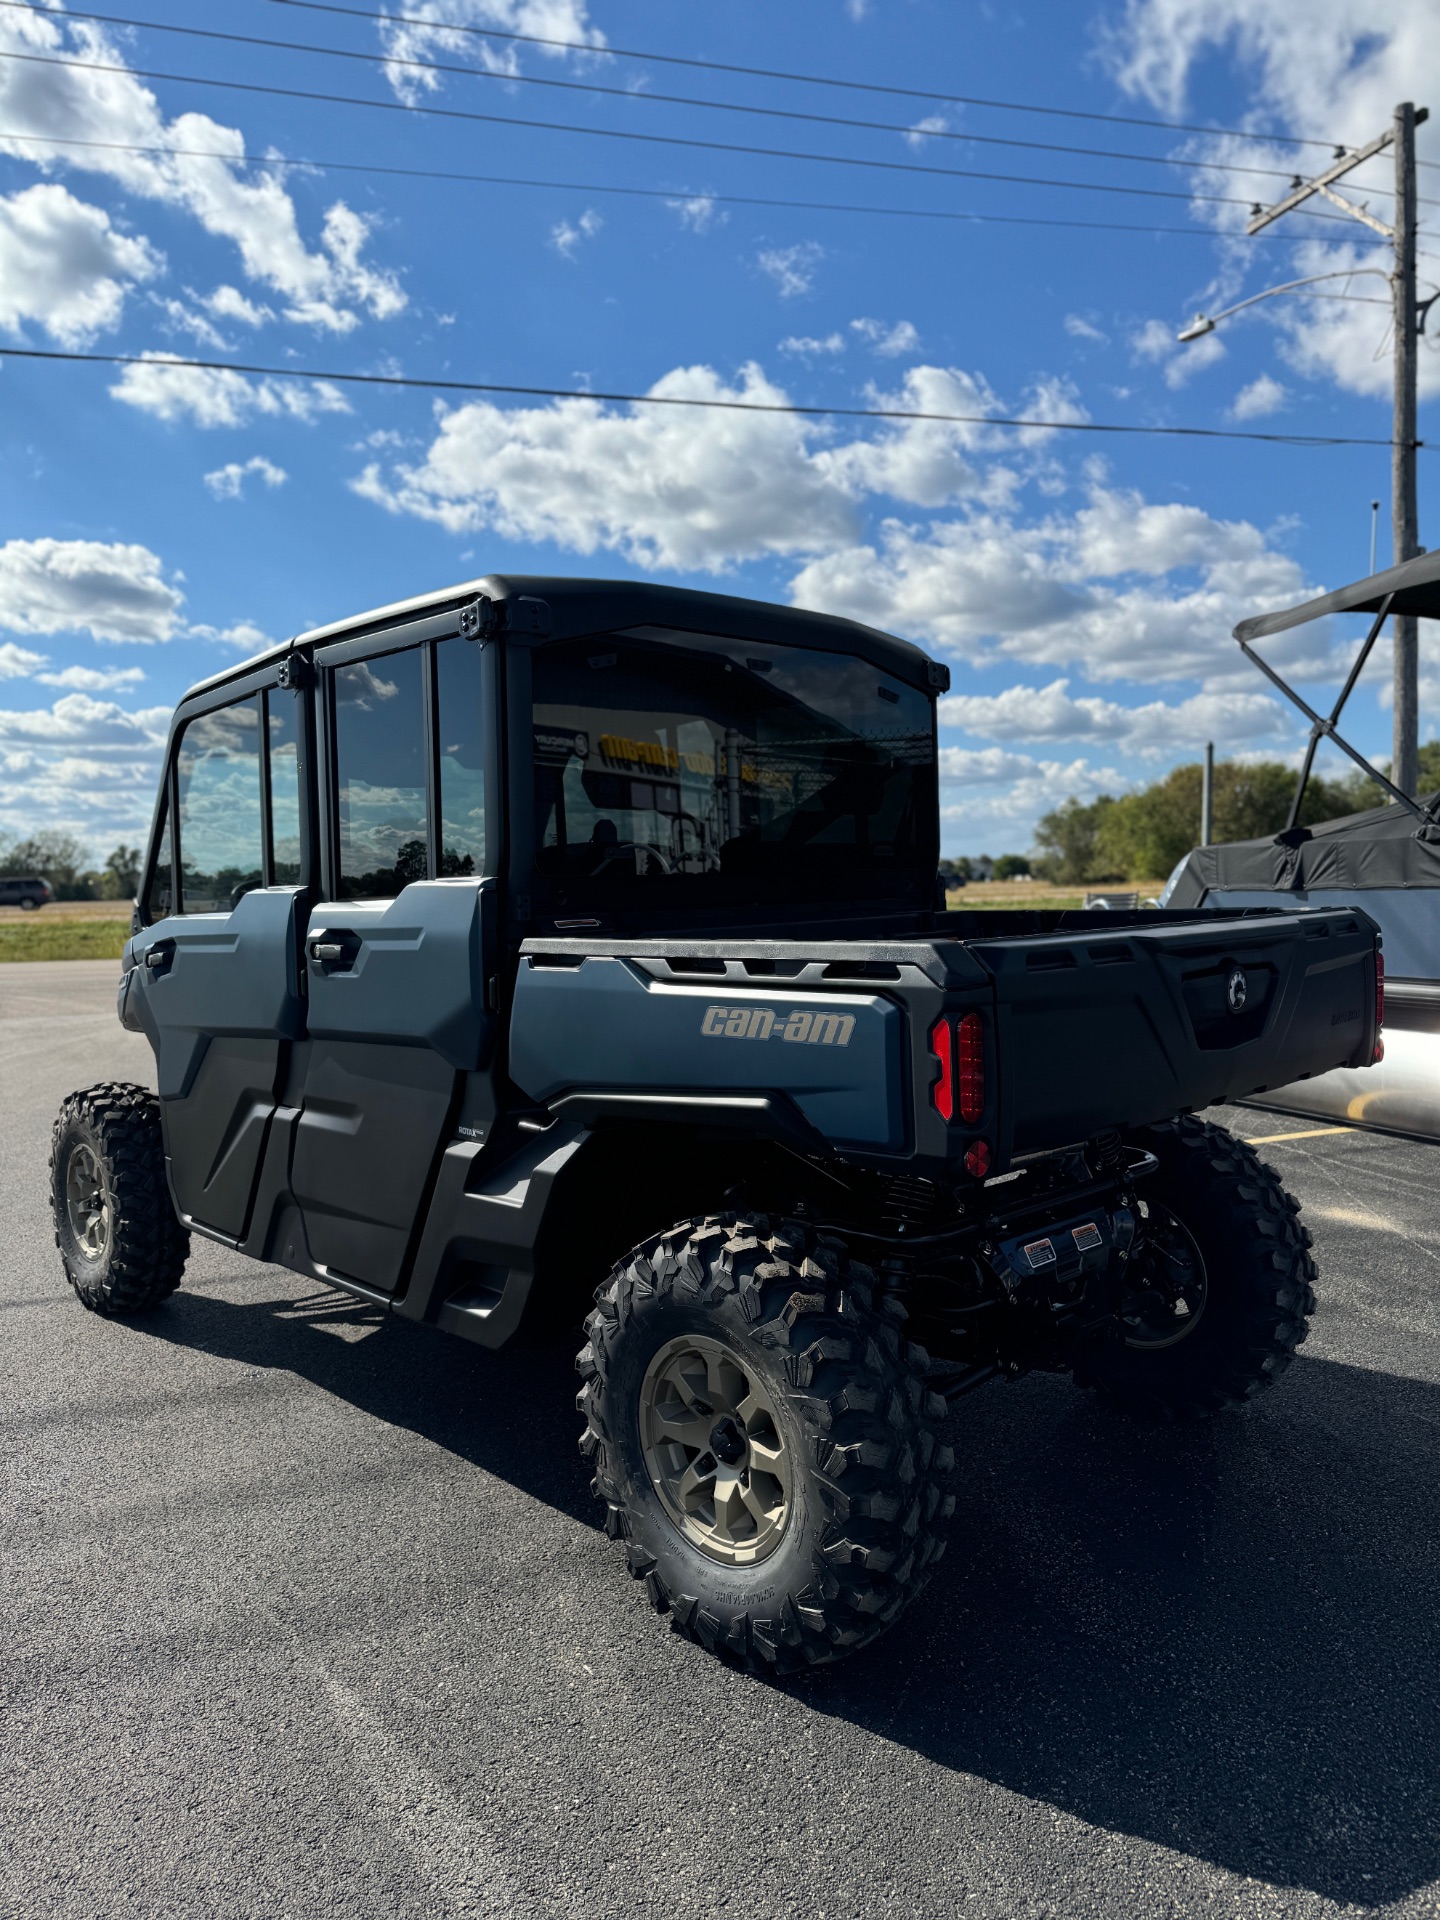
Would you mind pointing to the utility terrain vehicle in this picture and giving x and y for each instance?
(544, 944)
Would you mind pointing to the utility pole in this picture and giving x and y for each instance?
(1409, 320)
(1405, 767)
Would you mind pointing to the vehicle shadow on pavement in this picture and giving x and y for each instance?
(1222, 1639)
(512, 1414)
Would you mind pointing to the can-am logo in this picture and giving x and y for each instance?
(759, 1023)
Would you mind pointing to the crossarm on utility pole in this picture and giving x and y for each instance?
(1301, 193)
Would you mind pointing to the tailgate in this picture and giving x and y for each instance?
(1118, 1029)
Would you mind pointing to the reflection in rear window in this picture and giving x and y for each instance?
(687, 769)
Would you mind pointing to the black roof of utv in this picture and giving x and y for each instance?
(578, 607)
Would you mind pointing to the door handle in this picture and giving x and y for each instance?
(159, 958)
(334, 949)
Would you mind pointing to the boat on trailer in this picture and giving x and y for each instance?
(1385, 861)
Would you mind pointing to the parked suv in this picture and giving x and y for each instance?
(25, 890)
(550, 945)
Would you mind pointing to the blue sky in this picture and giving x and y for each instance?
(158, 524)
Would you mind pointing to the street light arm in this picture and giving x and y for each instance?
(1207, 323)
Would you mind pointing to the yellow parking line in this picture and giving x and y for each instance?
(1308, 1133)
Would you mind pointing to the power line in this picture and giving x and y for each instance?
(470, 115)
(163, 361)
(662, 99)
(806, 79)
(671, 194)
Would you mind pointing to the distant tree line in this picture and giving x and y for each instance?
(964, 867)
(1142, 835)
(70, 866)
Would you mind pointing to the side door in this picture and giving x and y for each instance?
(396, 948)
(217, 987)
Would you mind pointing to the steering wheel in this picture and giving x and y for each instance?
(627, 850)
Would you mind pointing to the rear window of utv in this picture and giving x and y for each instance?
(677, 769)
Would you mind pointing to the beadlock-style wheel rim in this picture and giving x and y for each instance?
(714, 1450)
(87, 1202)
(1167, 1286)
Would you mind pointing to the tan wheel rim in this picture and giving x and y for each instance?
(87, 1202)
(714, 1450)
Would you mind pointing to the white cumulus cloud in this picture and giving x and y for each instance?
(328, 284)
(228, 482)
(244, 634)
(888, 340)
(699, 212)
(218, 397)
(111, 591)
(1033, 714)
(93, 679)
(76, 719)
(925, 130)
(566, 236)
(806, 346)
(18, 663)
(1124, 588)
(64, 266)
(681, 487)
(1261, 396)
(435, 29)
(793, 269)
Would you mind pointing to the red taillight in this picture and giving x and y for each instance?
(1379, 1053)
(942, 1094)
(970, 1039)
(977, 1158)
(958, 1092)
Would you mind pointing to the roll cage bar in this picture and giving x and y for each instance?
(1411, 588)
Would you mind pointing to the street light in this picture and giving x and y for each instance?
(1204, 323)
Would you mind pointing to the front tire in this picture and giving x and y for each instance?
(1218, 1298)
(763, 1440)
(115, 1225)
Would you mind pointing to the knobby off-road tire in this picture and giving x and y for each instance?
(123, 1247)
(1256, 1283)
(832, 1439)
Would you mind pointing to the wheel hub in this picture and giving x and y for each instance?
(1168, 1285)
(87, 1202)
(714, 1451)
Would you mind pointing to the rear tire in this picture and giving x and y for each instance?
(28, 905)
(115, 1225)
(1217, 1316)
(763, 1440)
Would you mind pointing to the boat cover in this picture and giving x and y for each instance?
(1363, 852)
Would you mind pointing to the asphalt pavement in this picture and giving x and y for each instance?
(305, 1613)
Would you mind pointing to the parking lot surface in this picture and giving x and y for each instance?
(306, 1614)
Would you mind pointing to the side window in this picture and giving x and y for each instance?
(282, 713)
(218, 781)
(462, 757)
(380, 774)
(159, 901)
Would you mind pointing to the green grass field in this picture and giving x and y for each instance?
(36, 939)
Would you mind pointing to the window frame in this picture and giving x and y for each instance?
(423, 637)
(263, 682)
